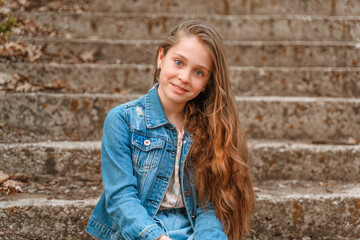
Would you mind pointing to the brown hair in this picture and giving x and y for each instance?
(218, 152)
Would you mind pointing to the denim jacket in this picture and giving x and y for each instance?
(137, 161)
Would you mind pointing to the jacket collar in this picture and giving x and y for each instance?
(154, 112)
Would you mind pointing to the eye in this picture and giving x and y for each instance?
(199, 73)
(178, 62)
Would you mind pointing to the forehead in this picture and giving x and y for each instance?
(193, 50)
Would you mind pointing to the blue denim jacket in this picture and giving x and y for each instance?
(137, 160)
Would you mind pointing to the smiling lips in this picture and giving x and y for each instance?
(182, 90)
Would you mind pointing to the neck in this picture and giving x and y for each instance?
(174, 113)
(175, 116)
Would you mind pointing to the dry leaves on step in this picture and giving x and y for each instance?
(57, 85)
(20, 49)
(29, 27)
(3, 177)
(50, 5)
(11, 184)
(15, 5)
(59, 5)
(20, 83)
(87, 56)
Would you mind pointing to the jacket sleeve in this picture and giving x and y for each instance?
(207, 225)
(122, 201)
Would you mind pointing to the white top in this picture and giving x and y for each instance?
(173, 197)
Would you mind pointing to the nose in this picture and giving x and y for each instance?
(184, 74)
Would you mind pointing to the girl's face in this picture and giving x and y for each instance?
(185, 71)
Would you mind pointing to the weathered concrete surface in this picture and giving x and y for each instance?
(288, 213)
(300, 118)
(58, 114)
(65, 159)
(100, 78)
(268, 161)
(240, 53)
(246, 81)
(286, 161)
(234, 27)
(262, 117)
(299, 81)
(273, 7)
(45, 219)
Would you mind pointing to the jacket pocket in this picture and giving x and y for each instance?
(147, 151)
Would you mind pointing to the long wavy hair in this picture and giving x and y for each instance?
(218, 152)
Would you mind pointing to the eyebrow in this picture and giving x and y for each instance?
(200, 66)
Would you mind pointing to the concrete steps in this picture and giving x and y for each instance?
(51, 219)
(294, 211)
(269, 160)
(133, 26)
(246, 81)
(263, 7)
(239, 53)
(302, 118)
(305, 211)
(294, 67)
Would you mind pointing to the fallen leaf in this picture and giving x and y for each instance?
(24, 87)
(11, 187)
(59, 84)
(5, 191)
(352, 140)
(13, 191)
(12, 183)
(21, 49)
(20, 177)
(87, 56)
(5, 78)
(3, 177)
(119, 90)
(24, 3)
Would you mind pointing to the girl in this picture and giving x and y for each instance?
(174, 162)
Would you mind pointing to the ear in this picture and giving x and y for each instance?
(160, 56)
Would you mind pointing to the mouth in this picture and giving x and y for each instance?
(179, 88)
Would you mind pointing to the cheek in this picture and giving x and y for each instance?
(200, 84)
(168, 71)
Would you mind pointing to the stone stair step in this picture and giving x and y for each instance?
(291, 210)
(276, 7)
(82, 115)
(133, 26)
(240, 53)
(47, 219)
(62, 159)
(306, 210)
(288, 160)
(246, 81)
(269, 160)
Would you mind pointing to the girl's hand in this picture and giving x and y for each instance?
(164, 237)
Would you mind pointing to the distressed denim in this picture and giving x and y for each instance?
(137, 161)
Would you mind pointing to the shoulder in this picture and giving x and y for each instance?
(134, 103)
(125, 111)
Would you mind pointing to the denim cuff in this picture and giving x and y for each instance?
(152, 232)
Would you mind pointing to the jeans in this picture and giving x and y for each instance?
(175, 223)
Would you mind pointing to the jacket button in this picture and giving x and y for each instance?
(187, 193)
(147, 142)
